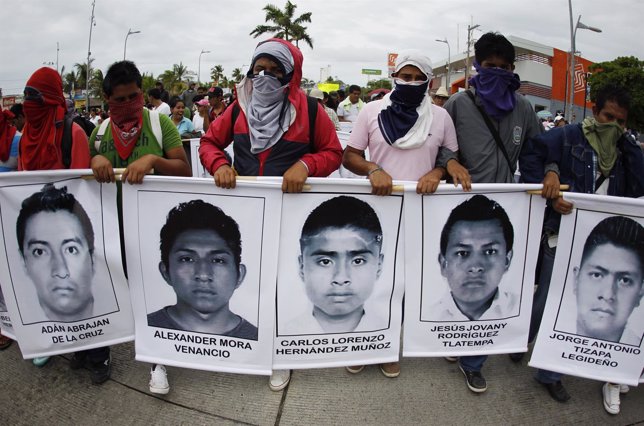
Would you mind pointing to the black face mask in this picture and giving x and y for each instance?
(409, 95)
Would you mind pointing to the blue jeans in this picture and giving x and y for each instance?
(544, 270)
(472, 363)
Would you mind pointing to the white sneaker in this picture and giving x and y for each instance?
(279, 379)
(611, 398)
(159, 380)
(624, 388)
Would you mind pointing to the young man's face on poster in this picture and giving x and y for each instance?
(202, 271)
(608, 286)
(339, 268)
(58, 261)
(475, 260)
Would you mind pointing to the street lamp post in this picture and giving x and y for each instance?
(125, 45)
(470, 28)
(57, 50)
(199, 69)
(92, 23)
(449, 63)
(570, 104)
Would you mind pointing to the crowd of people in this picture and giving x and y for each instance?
(479, 135)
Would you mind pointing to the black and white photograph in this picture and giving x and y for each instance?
(593, 323)
(470, 270)
(60, 269)
(336, 268)
(474, 258)
(606, 286)
(204, 293)
(201, 250)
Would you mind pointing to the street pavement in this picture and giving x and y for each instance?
(429, 391)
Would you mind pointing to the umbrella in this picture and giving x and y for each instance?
(544, 114)
(378, 91)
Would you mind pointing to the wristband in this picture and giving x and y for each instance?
(374, 171)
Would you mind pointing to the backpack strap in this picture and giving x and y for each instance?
(235, 115)
(155, 123)
(312, 105)
(493, 130)
(66, 142)
(101, 131)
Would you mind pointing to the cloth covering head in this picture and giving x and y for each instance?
(415, 58)
(44, 109)
(270, 103)
(7, 132)
(406, 115)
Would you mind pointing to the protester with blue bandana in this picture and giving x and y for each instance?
(404, 132)
(492, 123)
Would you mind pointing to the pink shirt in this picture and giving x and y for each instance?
(402, 164)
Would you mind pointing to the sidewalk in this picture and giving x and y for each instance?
(428, 391)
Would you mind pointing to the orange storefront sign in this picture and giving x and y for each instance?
(560, 77)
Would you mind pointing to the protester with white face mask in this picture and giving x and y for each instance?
(403, 132)
(269, 125)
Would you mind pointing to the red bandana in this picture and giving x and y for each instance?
(7, 132)
(41, 136)
(126, 119)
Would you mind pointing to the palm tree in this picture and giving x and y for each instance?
(173, 78)
(237, 75)
(96, 83)
(284, 26)
(217, 73)
(81, 73)
(70, 82)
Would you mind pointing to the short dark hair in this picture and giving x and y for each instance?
(354, 87)
(122, 72)
(197, 98)
(477, 209)
(197, 214)
(52, 199)
(174, 101)
(16, 109)
(619, 231)
(342, 212)
(154, 93)
(491, 44)
(614, 93)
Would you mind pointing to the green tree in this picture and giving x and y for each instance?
(148, 82)
(237, 75)
(173, 79)
(383, 83)
(81, 74)
(627, 72)
(96, 84)
(216, 74)
(284, 25)
(70, 82)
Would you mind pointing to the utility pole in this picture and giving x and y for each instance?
(470, 28)
(92, 23)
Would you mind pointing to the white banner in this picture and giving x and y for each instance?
(198, 170)
(469, 268)
(340, 286)
(60, 264)
(202, 264)
(593, 321)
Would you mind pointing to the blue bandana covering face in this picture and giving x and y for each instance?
(398, 118)
(496, 89)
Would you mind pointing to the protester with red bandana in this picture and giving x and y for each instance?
(40, 149)
(44, 108)
(127, 139)
(9, 140)
(130, 139)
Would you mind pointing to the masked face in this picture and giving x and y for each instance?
(611, 113)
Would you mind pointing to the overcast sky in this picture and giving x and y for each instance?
(348, 35)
